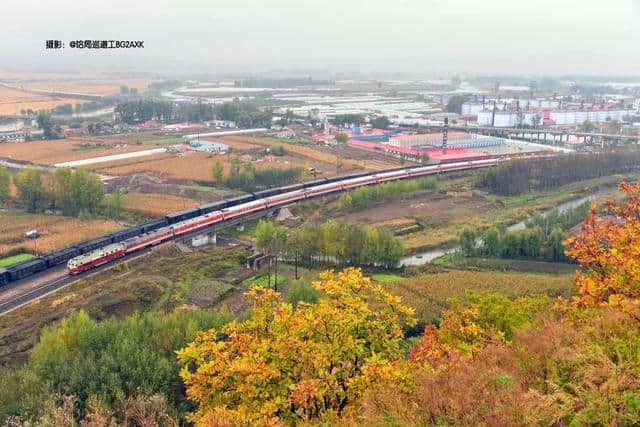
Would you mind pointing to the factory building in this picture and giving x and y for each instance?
(509, 118)
(423, 140)
(555, 116)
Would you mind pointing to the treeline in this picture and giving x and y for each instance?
(74, 192)
(244, 113)
(248, 178)
(520, 176)
(542, 239)
(331, 242)
(364, 196)
(110, 365)
(346, 244)
(349, 119)
(280, 83)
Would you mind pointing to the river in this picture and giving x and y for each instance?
(425, 257)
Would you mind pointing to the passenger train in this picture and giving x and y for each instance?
(93, 253)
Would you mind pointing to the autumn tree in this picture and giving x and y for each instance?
(608, 250)
(287, 365)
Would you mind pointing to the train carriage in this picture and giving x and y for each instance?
(61, 256)
(175, 217)
(283, 199)
(213, 207)
(234, 201)
(148, 239)
(90, 245)
(125, 234)
(244, 209)
(25, 269)
(4, 277)
(197, 223)
(154, 225)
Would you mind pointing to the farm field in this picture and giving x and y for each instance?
(429, 294)
(64, 150)
(194, 166)
(308, 153)
(13, 100)
(56, 232)
(93, 86)
(156, 205)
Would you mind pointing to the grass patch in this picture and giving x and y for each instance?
(261, 280)
(459, 262)
(16, 259)
(385, 277)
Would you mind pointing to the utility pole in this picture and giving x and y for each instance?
(445, 135)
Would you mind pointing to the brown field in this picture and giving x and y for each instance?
(156, 205)
(56, 232)
(307, 153)
(64, 150)
(93, 87)
(13, 100)
(193, 167)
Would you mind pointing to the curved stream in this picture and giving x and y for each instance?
(427, 256)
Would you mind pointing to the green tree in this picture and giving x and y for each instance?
(381, 122)
(454, 105)
(342, 137)
(114, 207)
(301, 291)
(555, 248)
(48, 126)
(218, 172)
(468, 241)
(29, 183)
(265, 235)
(491, 242)
(5, 180)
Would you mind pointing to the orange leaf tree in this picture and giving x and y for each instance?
(608, 250)
(284, 365)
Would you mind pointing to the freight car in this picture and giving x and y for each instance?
(61, 256)
(153, 225)
(27, 268)
(4, 277)
(125, 234)
(172, 218)
(90, 245)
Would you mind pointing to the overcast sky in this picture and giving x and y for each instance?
(420, 37)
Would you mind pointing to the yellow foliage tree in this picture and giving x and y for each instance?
(608, 250)
(285, 365)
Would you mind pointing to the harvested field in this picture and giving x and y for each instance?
(64, 150)
(305, 152)
(56, 232)
(193, 167)
(93, 87)
(13, 100)
(156, 205)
